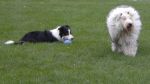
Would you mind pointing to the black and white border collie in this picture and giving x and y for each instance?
(58, 34)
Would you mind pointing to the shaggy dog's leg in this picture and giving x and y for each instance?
(116, 47)
(113, 47)
(130, 49)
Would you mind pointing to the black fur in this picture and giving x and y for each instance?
(38, 36)
(64, 30)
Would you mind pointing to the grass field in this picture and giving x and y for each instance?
(88, 60)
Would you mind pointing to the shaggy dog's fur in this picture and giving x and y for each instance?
(124, 25)
(58, 34)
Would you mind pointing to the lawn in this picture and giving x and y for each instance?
(88, 60)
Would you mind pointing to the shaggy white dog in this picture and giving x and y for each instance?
(124, 27)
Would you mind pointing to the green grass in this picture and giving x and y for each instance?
(88, 60)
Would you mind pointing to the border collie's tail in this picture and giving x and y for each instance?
(11, 42)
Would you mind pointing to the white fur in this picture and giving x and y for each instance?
(124, 39)
(55, 32)
(9, 42)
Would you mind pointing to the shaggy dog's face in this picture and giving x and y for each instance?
(65, 32)
(126, 21)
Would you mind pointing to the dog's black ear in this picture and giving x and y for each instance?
(64, 27)
(61, 28)
(67, 26)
